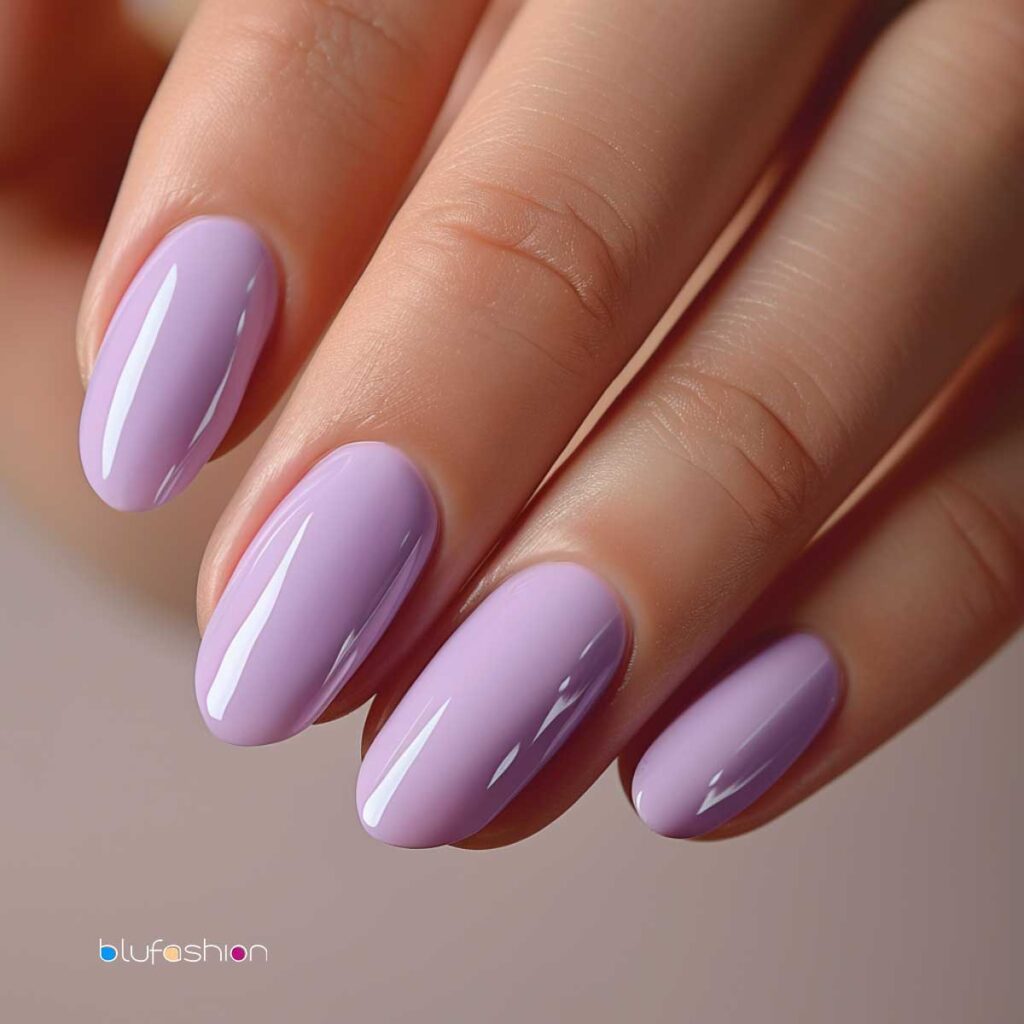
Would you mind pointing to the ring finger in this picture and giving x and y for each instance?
(845, 315)
(545, 239)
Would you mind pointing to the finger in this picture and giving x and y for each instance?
(489, 34)
(548, 235)
(275, 148)
(911, 593)
(841, 320)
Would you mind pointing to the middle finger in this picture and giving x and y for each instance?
(547, 237)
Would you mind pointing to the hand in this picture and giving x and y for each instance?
(605, 149)
(75, 79)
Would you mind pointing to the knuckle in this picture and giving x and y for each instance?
(741, 439)
(374, 28)
(353, 54)
(550, 238)
(990, 540)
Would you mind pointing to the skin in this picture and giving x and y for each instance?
(599, 157)
(66, 141)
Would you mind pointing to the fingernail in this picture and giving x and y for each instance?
(735, 741)
(175, 361)
(313, 593)
(492, 707)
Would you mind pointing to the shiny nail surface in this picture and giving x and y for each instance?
(175, 361)
(737, 739)
(492, 707)
(313, 593)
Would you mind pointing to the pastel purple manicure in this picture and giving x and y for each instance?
(737, 740)
(313, 593)
(175, 361)
(492, 707)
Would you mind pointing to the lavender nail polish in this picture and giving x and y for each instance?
(313, 593)
(737, 740)
(175, 361)
(492, 707)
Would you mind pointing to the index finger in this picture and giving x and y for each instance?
(276, 146)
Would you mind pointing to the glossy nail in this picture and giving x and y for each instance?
(492, 707)
(175, 361)
(735, 741)
(313, 593)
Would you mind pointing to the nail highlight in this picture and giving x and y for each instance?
(492, 707)
(313, 593)
(175, 361)
(737, 740)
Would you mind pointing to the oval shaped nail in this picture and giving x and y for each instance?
(737, 740)
(492, 707)
(175, 361)
(313, 593)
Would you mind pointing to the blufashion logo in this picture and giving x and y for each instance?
(183, 953)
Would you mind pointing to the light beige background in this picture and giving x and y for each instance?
(895, 895)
